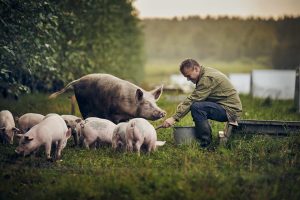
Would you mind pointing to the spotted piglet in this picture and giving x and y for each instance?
(97, 131)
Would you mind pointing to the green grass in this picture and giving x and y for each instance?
(248, 167)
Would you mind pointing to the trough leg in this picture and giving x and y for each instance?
(225, 135)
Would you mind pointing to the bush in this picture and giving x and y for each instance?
(45, 44)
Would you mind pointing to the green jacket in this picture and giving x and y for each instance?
(213, 86)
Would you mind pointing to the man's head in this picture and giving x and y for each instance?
(191, 70)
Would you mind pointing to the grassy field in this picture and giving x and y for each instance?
(248, 167)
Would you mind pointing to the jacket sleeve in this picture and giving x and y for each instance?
(201, 92)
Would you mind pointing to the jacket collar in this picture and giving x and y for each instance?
(202, 70)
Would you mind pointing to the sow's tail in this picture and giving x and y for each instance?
(55, 94)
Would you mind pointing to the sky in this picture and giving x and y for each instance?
(242, 8)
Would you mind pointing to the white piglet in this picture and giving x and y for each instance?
(97, 131)
(7, 127)
(28, 120)
(140, 132)
(51, 130)
(118, 138)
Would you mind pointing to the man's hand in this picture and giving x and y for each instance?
(169, 122)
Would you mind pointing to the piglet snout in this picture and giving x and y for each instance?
(17, 151)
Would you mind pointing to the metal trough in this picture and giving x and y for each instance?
(270, 127)
(187, 134)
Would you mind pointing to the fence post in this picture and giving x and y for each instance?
(73, 100)
(297, 90)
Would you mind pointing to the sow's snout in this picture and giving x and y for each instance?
(157, 114)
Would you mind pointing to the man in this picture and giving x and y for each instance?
(213, 98)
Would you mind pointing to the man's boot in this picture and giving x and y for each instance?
(203, 131)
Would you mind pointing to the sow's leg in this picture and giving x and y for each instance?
(83, 105)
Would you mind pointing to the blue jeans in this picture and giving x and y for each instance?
(203, 110)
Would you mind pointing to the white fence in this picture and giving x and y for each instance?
(276, 84)
(297, 90)
(241, 82)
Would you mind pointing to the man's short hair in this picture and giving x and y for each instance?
(188, 64)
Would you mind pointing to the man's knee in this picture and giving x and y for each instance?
(197, 106)
(198, 111)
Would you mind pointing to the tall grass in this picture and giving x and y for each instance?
(248, 167)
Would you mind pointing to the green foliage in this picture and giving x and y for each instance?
(27, 45)
(269, 42)
(44, 44)
(286, 53)
(249, 167)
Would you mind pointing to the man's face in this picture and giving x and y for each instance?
(192, 74)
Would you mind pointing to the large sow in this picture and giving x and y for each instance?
(108, 97)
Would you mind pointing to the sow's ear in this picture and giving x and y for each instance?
(157, 92)
(139, 95)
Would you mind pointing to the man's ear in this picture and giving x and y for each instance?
(157, 92)
(197, 69)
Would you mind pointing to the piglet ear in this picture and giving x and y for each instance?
(19, 135)
(16, 118)
(16, 130)
(67, 123)
(68, 133)
(132, 124)
(28, 138)
(157, 92)
(139, 95)
(78, 120)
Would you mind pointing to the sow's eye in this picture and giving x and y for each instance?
(146, 103)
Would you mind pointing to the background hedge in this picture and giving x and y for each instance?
(44, 44)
